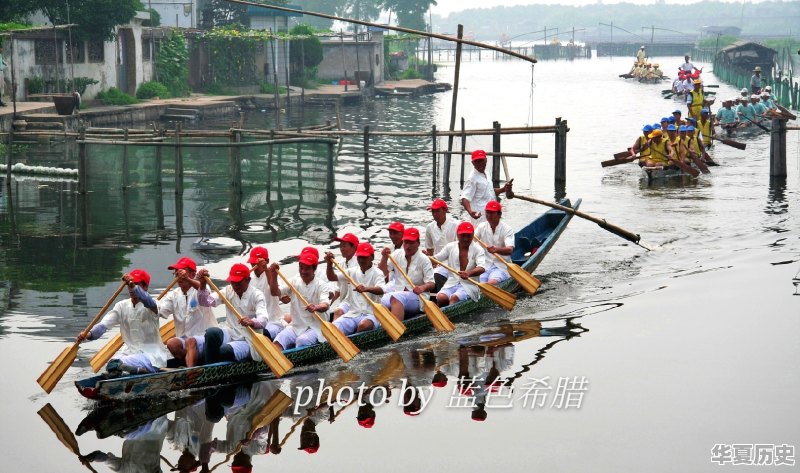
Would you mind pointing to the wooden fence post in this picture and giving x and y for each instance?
(463, 148)
(234, 161)
(125, 164)
(329, 187)
(178, 160)
(561, 151)
(777, 148)
(82, 169)
(433, 147)
(9, 144)
(366, 155)
(495, 158)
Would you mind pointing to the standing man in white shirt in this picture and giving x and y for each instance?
(191, 320)
(231, 342)
(478, 189)
(499, 238)
(437, 234)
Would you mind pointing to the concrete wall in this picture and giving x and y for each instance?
(332, 66)
(180, 13)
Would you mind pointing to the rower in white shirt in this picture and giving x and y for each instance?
(347, 247)
(191, 320)
(369, 280)
(499, 238)
(404, 301)
(277, 321)
(437, 234)
(466, 256)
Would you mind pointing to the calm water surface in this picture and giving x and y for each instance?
(678, 349)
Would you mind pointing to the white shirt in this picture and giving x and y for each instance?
(478, 190)
(138, 326)
(436, 237)
(250, 305)
(342, 286)
(274, 312)
(687, 67)
(450, 256)
(419, 270)
(373, 277)
(314, 293)
(503, 235)
(190, 318)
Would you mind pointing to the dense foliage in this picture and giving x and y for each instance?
(114, 96)
(304, 55)
(172, 64)
(96, 19)
(148, 90)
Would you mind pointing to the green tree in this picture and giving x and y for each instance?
(329, 7)
(409, 13)
(219, 13)
(172, 64)
(96, 19)
(304, 55)
(15, 10)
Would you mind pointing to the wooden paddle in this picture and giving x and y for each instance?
(617, 161)
(102, 356)
(341, 344)
(669, 96)
(730, 142)
(698, 161)
(273, 409)
(680, 164)
(268, 352)
(622, 154)
(756, 123)
(525, 279)
(389, 322)
(786, 112)
(620, 232)
(53, 374)
(502, 298)
(711, 86)
(439, 321)
(62, 431)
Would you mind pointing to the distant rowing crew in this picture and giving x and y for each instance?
(749, 110)
(402, 280)
(673, 139)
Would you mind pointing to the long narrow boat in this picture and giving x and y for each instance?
(532, 243)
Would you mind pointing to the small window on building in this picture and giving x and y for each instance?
(45, 51)
(147, 44)
(96, 51)
(377, 59)
(78, 52)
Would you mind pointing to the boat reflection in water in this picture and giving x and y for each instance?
(253, 413)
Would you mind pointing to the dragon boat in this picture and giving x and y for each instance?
(531, 245)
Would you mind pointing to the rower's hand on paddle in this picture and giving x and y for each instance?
(508, 186)
(128, 280)
(492, 249)
(247, 322)
(202, 274)
(475, 215)
(181, 274)
(361, 288)
(463, 274)
(311, 307)
(261, 265)
(386, 252)
(418, 290)
(329, 258)
(285, 299)
(81, 337)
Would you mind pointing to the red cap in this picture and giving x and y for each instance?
(478, 419)
(465, 389)
(241, 469)
(411, 234)
(367, 423)
(397, 226)
(238, 272)
(309, 256)
(348, 238)
(256, 253)
(494, 206)
(365, 249)
(465, 228)
(140, 275)
(311, 449)
(439, 384)
(411, 413)
(438, 204)
(184, 263)
(478, 154)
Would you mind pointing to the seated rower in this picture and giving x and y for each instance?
(466, 255)
(726, 116)
(404, 300)
(640, 145)
(706, 127)
(231, 341)
(277, 321)
(348, 246)
(396, 230)
(677, 115)
(304, 329)
(359, 316)
(439, 233)
(191, 320)
(137, 318)
(662, 152)
(499, 238)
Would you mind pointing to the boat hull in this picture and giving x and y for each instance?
(532, 243)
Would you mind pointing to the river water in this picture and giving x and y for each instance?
(644, 360)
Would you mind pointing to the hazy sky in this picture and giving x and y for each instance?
(445, 7)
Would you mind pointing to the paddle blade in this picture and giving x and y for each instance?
(341, 344)
(270, 354)
(615, 162)
(733, 143)
(100, 358)
(393, 327)
(167, 331)
(504, 299)
(439, 321)
(622, 154)
(525, 279)
(59, 427)
(53, 374)
(273, 409)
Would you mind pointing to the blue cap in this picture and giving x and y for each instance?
(671, 128)
(682, 128)
(704, 110)
(677, 111)
(671, 119)
(664, 119)
(647, 128)
(691, 120)
(690, 128)
(656, 126)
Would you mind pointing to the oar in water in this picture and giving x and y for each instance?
(102, 356)
(667, 91)
(756, 123)
(268, 352)
(698, 161)
(62, 431)
(669, 96)
(439, 321)
(730, 142)
(680, 164)
(620, 232)
(525, 279)
(341, 344)
(622, 154)
(53, 374)
(502, 298)
(711, 86)
(394, 328)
